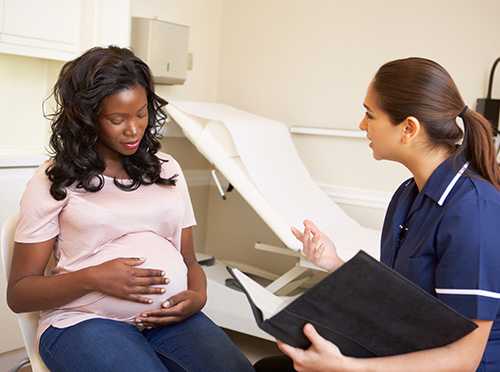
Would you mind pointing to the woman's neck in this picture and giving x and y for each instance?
(424, 165)
(112, 162)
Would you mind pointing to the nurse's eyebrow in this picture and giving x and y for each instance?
(366, 107)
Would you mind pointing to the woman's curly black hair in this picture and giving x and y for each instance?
(78, 93)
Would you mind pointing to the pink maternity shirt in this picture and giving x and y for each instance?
(94, 227)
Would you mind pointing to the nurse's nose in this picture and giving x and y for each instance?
(363, 126)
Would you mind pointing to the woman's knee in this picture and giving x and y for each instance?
(203, 346)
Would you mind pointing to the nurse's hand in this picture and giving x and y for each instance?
(174, 310)
(317, 247)
(321, 356)
(120, 278)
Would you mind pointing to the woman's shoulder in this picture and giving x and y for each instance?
(164, 156)
(38, 187)
(40, 177)
(169, 165)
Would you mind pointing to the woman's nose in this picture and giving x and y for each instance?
(131, 130)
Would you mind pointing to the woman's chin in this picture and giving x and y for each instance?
(128, 152)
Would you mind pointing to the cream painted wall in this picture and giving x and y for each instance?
(308, 62)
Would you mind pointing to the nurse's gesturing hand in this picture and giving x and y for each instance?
(317, 247)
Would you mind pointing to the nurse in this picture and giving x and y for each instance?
(442, 228)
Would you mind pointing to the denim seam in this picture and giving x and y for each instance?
(163, 354)
(53, 341)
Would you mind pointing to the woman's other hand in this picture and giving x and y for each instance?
(174, 310)
(317, 247)
(321, 356)
(120, 278)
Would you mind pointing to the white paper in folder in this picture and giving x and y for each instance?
(272, 162)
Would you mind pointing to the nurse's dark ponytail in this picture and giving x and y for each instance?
(422, 88)
(479, 146)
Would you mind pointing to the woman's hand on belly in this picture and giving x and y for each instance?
(174, 310)
(120, 278)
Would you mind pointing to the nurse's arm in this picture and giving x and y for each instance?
(462, 355)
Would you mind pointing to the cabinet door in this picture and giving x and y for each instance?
(47, 24)
(104, 23)
(168, 51)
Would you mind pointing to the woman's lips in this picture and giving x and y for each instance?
(132, 145)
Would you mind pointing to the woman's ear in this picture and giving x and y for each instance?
(410, 128)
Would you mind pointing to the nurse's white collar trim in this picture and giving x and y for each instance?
(469, 292)
(451, 184)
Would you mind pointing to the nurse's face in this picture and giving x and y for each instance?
(384, 137)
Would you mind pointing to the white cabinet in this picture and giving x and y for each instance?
(104, 23)
(62, 29)
(46, 29)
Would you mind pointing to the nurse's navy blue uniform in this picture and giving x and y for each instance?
(446, 239)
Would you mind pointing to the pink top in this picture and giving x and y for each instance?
(92, 228)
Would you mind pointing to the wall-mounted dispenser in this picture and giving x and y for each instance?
(163, 46)
(488, 107)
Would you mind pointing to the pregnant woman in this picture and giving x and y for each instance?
(125, 290)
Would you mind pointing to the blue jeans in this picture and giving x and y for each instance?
(96, 345)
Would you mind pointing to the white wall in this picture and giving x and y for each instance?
(308, 63)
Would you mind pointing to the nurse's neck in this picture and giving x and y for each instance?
(424, 163)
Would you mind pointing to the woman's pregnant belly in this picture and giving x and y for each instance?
(159, 254)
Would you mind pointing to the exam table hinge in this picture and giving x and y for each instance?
(222, 193)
